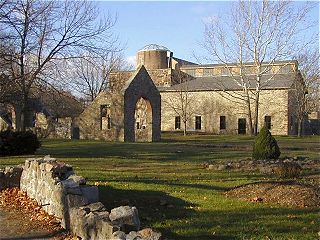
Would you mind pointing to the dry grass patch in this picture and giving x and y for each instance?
(284, 193)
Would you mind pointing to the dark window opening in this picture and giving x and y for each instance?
(198, 123)
(267, 122)
(138, 125)
(222, 122)
(177, 122)
(242, 126)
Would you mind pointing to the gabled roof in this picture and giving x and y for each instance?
(278, 81)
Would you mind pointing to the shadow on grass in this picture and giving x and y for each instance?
(158, 208)
(155, 151)
(181, 220)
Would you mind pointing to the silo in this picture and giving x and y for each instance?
(153, 56)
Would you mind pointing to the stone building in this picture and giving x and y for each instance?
(200, 98)
(50, 114)
(129, 111)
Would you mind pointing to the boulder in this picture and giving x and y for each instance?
(90, 225)
(119, 235)
(149, 234)
(127, 217)
(91, 193)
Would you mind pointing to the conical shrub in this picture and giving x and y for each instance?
(265, 146)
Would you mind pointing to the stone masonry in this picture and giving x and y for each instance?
(66, 196)
(121, 103)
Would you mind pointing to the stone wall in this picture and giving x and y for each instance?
(55, 187)
(89, 121)
(210, 105)
(66, 196)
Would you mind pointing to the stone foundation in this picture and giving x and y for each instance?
(65, 195)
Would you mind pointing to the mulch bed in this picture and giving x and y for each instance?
(291, 194)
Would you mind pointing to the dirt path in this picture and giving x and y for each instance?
(15, 224)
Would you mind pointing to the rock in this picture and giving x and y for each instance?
(222, 167)
(47, 158)
(149, 234)
(90, 226)
(78, 179)
(133, 236)
(95, 207)
(119, 235)
(127, 217)
(211, 167)
(91, 193)
(75, 201)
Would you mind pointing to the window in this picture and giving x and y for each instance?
(267, 122)
(191, 72)
(222, 122)
(177, 122)
(225, 71)
(105, 120)
(207, 72)
(198, 123)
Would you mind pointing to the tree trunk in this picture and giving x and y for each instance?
(256, 114)
(249, 114)
(299, 133)
(185, 128)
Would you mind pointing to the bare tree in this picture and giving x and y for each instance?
(259, 32)
(180, 99)
(43, 32)
(90, 73)
(307, 93)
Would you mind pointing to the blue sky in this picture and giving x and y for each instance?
(177, 25)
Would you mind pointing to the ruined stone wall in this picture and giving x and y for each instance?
(90, 120)
(66, 196)
(210, 105)
(55, 187)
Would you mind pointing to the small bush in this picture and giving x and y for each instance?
(265, 146)
(288, 170)
(18, 143)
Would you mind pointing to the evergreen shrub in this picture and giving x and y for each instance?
(265, 146)
(18, 143)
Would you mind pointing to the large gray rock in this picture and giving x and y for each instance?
(91, 193)
(127, 217)
(91, 225)
(75, 201)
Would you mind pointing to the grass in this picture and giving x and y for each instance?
(176, 195)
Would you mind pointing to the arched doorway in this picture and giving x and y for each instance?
(143, 121)
(142, 104)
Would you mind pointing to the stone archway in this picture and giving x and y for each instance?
(143, 121)
(141, 92)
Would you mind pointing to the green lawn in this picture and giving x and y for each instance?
(175, 194)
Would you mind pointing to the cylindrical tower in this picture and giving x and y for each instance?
(153, 56)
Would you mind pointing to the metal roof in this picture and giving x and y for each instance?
(153, 47)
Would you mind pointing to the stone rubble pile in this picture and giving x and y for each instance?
(263, 166)
(66, 196)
